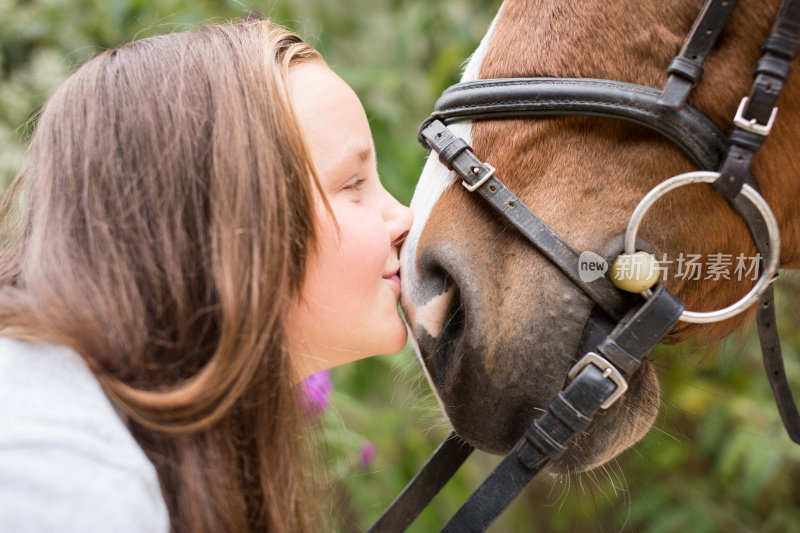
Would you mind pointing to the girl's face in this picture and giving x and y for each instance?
(348, 306)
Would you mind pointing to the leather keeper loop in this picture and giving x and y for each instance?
(451, 151)
(675, 92)
(774, 67)
(546, 444)
(747, 140)
(530, 456)
(686, 68)
(420, 137)
(618, 356)
(781, 46)
(568, 414)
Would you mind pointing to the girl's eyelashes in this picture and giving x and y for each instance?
(355, 185)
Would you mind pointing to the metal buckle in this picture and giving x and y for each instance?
(471, 188)
(609, 372)
(750, 124)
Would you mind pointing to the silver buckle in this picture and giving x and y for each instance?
(471, 188)
(750, 124)
(609, 372)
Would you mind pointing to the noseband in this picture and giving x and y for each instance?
(621, 329)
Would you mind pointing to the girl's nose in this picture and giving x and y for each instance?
(398, 217)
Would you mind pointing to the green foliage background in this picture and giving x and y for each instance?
(718, 459)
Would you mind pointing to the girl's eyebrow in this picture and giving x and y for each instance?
(350, 155)
(357, 155)
(363, 153)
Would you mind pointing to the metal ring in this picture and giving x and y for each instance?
(763, 208)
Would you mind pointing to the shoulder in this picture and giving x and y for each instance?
(67, 461)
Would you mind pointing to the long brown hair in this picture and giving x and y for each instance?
(160, 229)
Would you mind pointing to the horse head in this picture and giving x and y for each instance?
(496, 325)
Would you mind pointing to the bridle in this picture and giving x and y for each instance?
(621, 329)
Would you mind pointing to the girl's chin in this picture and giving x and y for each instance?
(387, 337)
(399, 340)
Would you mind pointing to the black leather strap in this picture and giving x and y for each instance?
(426, 484)
(773, 364)
(686, 68)
(766, 324)
(769, 81)
(472, 171)
(771, 72)
(701, 139)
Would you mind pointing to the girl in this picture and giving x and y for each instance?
(199, 227)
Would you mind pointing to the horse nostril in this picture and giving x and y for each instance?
(440, 320)
(436, 296)
(454, 319)
(436, 280)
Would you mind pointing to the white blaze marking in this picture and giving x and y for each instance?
(435, 177)
(433, 181)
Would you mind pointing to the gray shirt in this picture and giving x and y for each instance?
(67, 461)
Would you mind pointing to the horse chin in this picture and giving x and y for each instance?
(492, 414)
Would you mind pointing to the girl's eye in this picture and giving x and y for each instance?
(356, 184)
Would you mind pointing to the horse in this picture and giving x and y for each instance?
(494, 324)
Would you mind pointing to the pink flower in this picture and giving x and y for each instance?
(316, 394)
(367, 454)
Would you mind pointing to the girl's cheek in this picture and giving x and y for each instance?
(362, 226)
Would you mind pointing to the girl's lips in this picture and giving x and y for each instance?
(394, 278)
